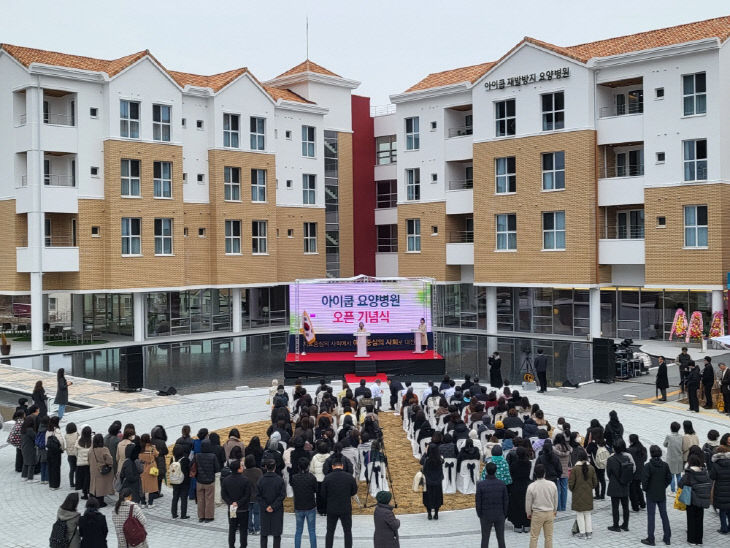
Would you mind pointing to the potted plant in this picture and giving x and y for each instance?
(5, 346)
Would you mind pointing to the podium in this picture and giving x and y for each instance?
(362, 344)
(417, 336)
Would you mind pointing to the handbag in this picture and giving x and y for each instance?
(686, 496)
(679, 505)
(154, 471)
(105, 469)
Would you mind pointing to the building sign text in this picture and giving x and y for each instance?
(525, 79)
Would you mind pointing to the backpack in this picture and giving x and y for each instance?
(626, 472)
(40, 440)
(174, 474)
(601, 457)
(58, 535)
(134, 533)
(53, 445)
(14, 436)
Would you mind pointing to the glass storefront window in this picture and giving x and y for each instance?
(542, 310)
(581, 312)
(505, 309)
(182, 312)
(608, 312)
(651, 314)
(628, 319)
(672, 301)
(563, 311)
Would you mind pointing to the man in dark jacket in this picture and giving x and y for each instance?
(338, 488)
(207, 467)
(638, 452)
(271, 495)
(619, 479)
(708, 380)
(360, 390)
(683, 360)
(693, 385)
(236, 492)
(467, 383)
(725, 387)
(304, 485)
(492, 502)
(662, 379)
(395, 387)
(654, 481)
(541, 364)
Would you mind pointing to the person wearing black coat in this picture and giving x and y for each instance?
(551, 462)
(541, 364)
(207, 467)
(491, 505)
(40, 399)
(638, 453)
(180, 491)
(662, 379)
(618, 490)
(495, 371)
(236, 492)
(613, 430)
(27, 447)
(693, 385)
(519, 470)
(271, 492)
(338, 488)
(304, 485)
(159, 440)
(395, 387)
(720, 475)
(92, 526)
(708, 380)
(696, 477)
(655, 478)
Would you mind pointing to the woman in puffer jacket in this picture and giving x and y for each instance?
(698, 479)
(316, 467)
(720, 475)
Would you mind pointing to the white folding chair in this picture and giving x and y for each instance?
(517, 430)
(378, 479)
(285, 474)
(423, 445)
(448, 484)
(466, 482)
(460, 444)
(414, 445)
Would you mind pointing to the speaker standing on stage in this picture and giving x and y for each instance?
(495, 371)
(424, 333)
(541, 369)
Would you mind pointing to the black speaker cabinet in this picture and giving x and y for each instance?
(131, 368)
(604, 360)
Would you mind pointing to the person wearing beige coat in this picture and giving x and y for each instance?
(148, 457)
(101, 485)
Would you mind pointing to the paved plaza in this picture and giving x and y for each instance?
(220, 409)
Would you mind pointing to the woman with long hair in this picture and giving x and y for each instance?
(433, 496)
(68, 514)
(122, 510)
(61, 398)
(148, 457)
(100, 470)
(111, 442)
(40, 399)
(92, 526)
(520, 470)
(54, 451)
(581, 482)
(254, 448)
(83, 476)
(27, 447)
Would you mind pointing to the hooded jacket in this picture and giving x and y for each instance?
(316, 466)
(699, 480)
(551, 462)
(207, 463)
(720, 474)
(655, 477)
(71, 517)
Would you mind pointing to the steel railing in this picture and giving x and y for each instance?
(461, 237)
(615, 232)
(52, 180)
(621, 110)
(386, 201)
(460, 131)
(54, 240)
(631, 170)
(387, 245)
(51, 119)
(461, 184)
(382, 110)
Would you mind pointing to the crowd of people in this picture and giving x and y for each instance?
(485, 441)
(695, 383)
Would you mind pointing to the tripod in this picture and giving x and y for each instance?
(526, 368)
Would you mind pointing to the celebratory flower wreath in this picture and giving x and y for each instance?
(717, 327)
(679, 325)
(695, 326)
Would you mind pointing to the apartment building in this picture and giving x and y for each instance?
(164, 202)
(573, 191)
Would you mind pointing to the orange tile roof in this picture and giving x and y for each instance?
(216, 82)
(308, 66)
(27, 56)
(454, 76)
(285, 95)
(689, 32)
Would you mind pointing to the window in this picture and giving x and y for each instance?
(131, 236)
(660, 157)
(413, 184)
(94, 112)
(553, 170)
(47, 232)
(94, 170)
(230, 130)
(630, 224)
(185, 232)
(505, 118)
(505, 175)
(309, 186)
(661, 222)
(258, 185)
(163, 179)
(201, 178)
(310, 237)
(129, 119)
(387, 239)
(289, 183)
(163, 236)
(199, 124)
(130, 178)
(553, 230)
(413, 232)
(201, 233)
(233, 237)
(161, 122)
(694, 92)
(433, 126)
(258, 237)
(385, 150)
(553, 111)
(94, 231)
(507, 232)
(287, 134)
(183, 122)
(695, 160)
(412, 134)
(434, 230)
(434, 177)
(308, 140)
(659, 93)
(185, 178)
(46, 172)
(232, 184)
(258, 130)
(695, 226)
(630, 164)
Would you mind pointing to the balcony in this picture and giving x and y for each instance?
(621, 185)
(459, 148)
(58, 195)
(461, 131)
(460, 253)
(621, 251)
(460, 197)
(58, 255)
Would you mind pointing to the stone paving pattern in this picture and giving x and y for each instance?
(220, 409)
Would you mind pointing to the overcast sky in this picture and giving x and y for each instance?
(386, 45)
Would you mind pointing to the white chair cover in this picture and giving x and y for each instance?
(362, 453)
(517, 430)
(423, 445)
(286, 474)
(460, 444)
(448, 484)
(377, 474)
(466, 482)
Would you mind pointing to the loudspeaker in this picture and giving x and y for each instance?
(604, 360)
(131, 368)
(167, 391)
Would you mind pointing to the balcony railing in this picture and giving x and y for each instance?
(461, 237)
(58, 119)
(631, 170)
(461, 184)
(460, 131)
(613, 232)
(386, 201)
(52, 180)
(388, 245)
(382, 110)
(64, 239)
(621, 110)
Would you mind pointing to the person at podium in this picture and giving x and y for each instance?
(361, 328)
(422, 331)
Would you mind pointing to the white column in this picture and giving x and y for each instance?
(594, 299)
(36, 313)
(236, 309)
(491, 310)
(139, 316)
(77, 312)
(35, 217)
(717, 300)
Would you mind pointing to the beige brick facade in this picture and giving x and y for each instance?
(530, 264)
(292, 263)
(14, 229)
(346, 205)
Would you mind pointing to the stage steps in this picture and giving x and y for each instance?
(366, 368)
